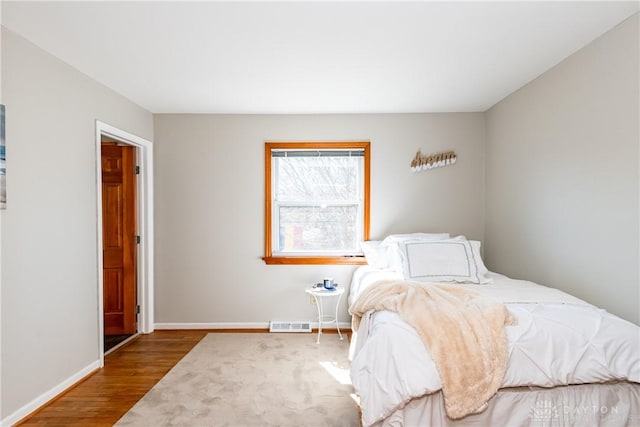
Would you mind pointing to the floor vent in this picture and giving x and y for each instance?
(289, 327)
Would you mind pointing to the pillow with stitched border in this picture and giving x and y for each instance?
(452, 260)
(385, 254)
(391, 246)
(483, 271)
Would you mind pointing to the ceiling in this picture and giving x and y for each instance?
(313, 57)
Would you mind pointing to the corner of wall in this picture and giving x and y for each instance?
(484, 180)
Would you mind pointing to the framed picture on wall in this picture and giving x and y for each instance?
(3, 163)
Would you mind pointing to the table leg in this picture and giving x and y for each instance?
(320, 312)
(336, 318)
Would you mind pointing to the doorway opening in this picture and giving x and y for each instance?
(114, 342)
(119, 241)
(125, 236)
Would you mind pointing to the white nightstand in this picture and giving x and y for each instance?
(319, 294)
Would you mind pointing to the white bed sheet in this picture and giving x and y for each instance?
(559, 340)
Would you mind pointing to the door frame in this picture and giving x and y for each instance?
(144, 158)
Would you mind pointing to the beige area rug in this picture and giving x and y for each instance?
(253, 380)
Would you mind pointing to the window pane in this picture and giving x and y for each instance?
(318, 178)
(318, 228)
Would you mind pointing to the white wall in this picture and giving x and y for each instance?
(1, 101)
(561, 199)
(562, 181)
(209, 204)
(49, 255)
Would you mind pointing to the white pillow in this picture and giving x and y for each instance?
(397, 238)
(385, 254)
(483, 271)
(391, 246)
(375, 255)
(451, 260)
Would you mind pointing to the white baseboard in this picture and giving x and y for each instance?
(49, 395)
(231, 325)
(212, 325)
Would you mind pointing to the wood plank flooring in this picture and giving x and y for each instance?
(129, 373)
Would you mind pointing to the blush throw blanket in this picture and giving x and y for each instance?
(463, 332)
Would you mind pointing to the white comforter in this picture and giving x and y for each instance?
(558, 340)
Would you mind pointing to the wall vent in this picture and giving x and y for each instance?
(289, 326)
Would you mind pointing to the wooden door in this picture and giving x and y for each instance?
(119, 245)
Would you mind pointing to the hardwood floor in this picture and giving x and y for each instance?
(128, 374)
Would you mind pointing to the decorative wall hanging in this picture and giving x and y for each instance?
(421, 162)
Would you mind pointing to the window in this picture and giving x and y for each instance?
(316, 202)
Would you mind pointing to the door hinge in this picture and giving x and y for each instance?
(137, 239)
(137, 309)
(136, 170)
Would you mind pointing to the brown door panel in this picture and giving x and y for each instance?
(118, 239)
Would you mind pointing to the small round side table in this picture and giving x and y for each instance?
(320, 294)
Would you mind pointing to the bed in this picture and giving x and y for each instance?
(568, 363)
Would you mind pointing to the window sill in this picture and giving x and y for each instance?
(338, 260)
